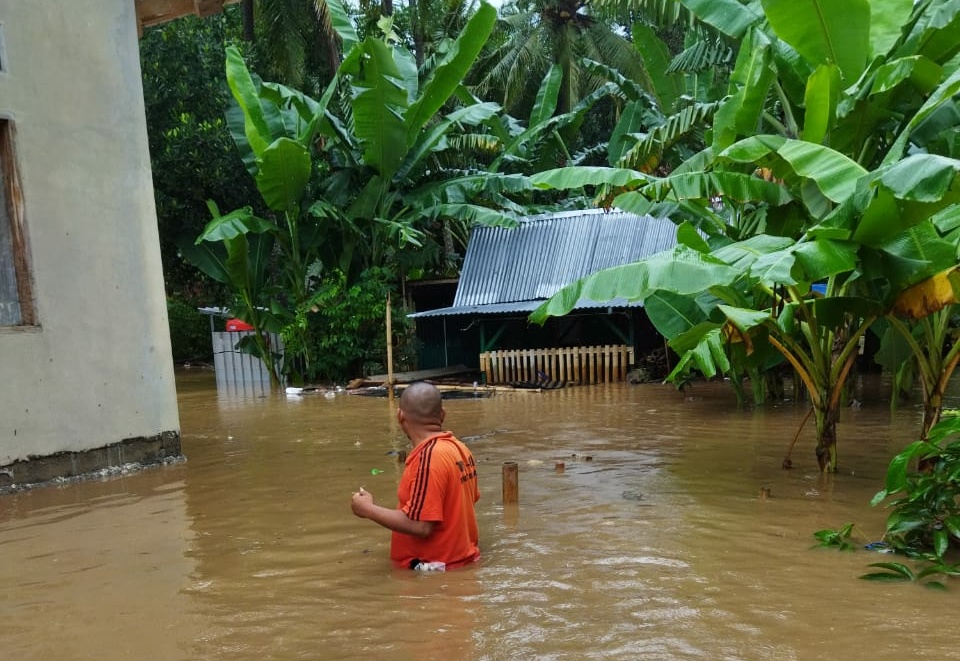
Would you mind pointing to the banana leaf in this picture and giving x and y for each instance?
(929, 295)
(750, 83)
(451, 71)
(342, 23)
(379, 104)
(887, 18)
(821, 98)
(578, 177)
(262, 121)
(656, 59)
(681, 270)
(730, 17)
(825, 31)
(283, 174)
(834, 174)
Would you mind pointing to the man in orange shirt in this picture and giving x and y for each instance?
(434, 525)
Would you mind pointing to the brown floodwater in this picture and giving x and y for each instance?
(654, 543)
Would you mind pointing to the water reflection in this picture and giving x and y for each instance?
(659, 546)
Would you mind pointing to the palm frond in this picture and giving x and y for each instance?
(702, 55)
(663, 13)
(475, 142)
(594, 154)
(675, 127)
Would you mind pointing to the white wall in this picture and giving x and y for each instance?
(98, 367)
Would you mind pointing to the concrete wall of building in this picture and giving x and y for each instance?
(96, 370)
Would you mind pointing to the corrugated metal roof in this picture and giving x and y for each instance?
(516, 269)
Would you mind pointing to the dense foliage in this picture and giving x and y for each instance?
(925, 504)
(830, 161)
(193, 157)
(347, 330)
(791, 151)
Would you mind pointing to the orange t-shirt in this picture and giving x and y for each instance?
(439, 483)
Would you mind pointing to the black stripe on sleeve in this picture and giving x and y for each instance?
(420, 484)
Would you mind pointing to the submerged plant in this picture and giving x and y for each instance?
(926, 503)
(897, 572)
(840, 538)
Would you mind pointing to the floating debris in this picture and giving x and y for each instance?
(879, 547)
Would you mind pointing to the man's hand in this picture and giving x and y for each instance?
(363, 506)
(362, 503)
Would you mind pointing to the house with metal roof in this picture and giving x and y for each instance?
(509, 272)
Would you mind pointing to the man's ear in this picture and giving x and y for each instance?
(443, 414)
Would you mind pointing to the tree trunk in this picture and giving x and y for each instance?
(246, 12)
(449, 252)
(931, 415)
(827, 439)
(773, 380)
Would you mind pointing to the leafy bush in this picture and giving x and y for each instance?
(348, 325)
(189, 332)
(842, 538)
(926, 504)
(926, 510)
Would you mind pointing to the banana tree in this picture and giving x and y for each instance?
(387, 140)
(340, 175)
(235, 249)
(931, 338)
(789, 208)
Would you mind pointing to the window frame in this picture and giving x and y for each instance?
(15, 215)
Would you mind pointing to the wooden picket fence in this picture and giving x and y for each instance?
(569, 365)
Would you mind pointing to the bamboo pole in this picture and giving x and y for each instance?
(487, 388)
(511, 486)
(389, 349)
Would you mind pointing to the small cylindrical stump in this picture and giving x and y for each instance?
(559, 467)
(510, 482)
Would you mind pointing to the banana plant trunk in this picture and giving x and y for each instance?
(933, 393)
(262, 341)
(826, 451)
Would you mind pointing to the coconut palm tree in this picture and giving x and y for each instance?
(536, 34)
(295, 41)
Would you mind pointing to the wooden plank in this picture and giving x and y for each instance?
(14, 212)
(419, 375)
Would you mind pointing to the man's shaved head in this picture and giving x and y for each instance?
(421, 402)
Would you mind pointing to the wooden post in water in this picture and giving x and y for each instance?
(511, 486)
(559, 467)
(389, 350)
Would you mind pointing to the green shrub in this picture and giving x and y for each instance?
(189, 332)
(347, 329)
(925, 504)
